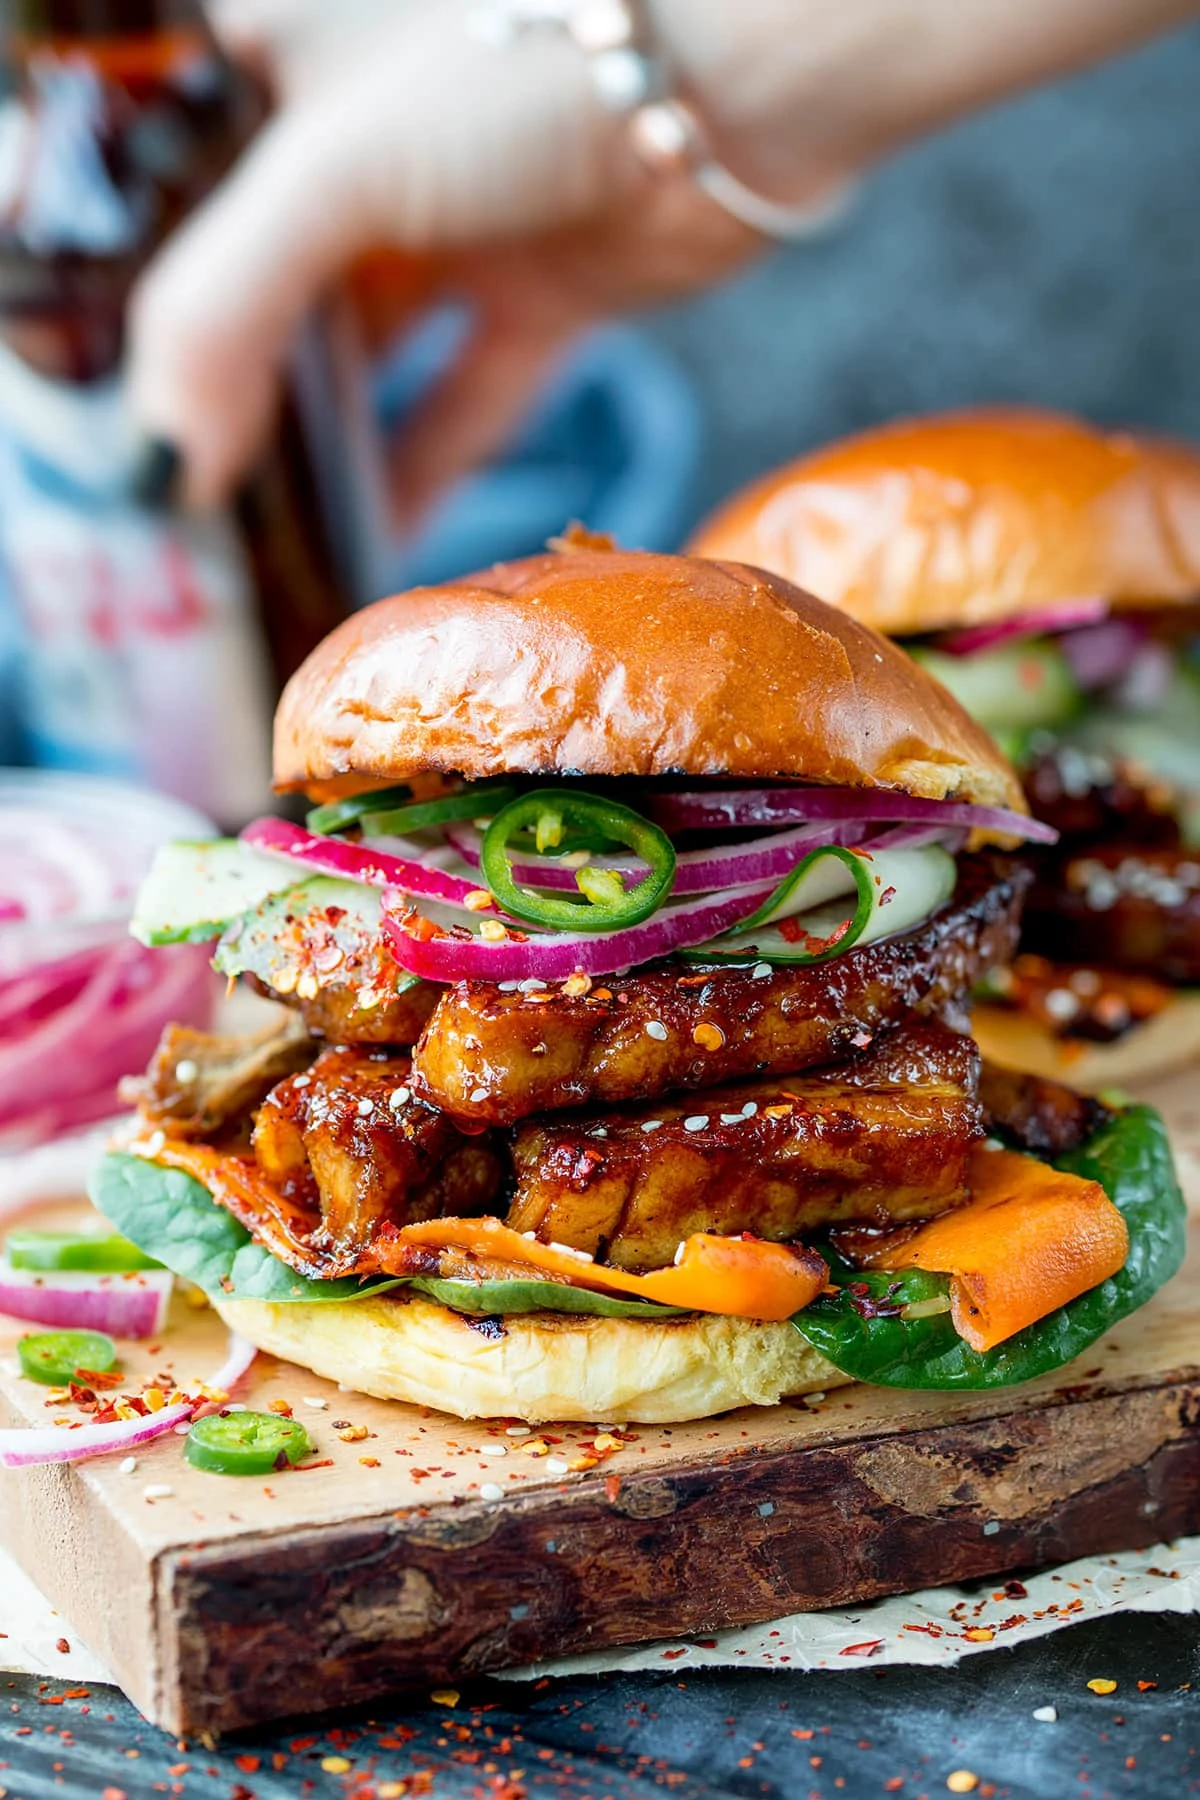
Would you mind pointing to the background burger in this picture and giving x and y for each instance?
(1049, 575)
(625, 956)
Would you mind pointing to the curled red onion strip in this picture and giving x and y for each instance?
(1060, 615)
(696, 871)
(454, 957)
(26, 1446)
(717, 809)
(334, 856)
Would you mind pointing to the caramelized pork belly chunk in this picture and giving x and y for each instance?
(1041, 1117)
(200, 1083)
(349, 1138)
(339, 1013)
(494, 1056)
(878, 1139)
(1132, 907)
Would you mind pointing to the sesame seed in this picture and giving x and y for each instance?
(556, 1466)
(600, 1131)
(750, 1108)
(991, 1528)
(158, 1490)
(729, 1118)
(680, 1247)
(493, 1450)
(1061, 1003)
(311, 1400)
(399, 1097)
(657, 1030)
(697, 1122)
(760, 971)
(130, 1464)
(302, 1081)
(490, 1490)
(531, 984)
(518, 1430)
(570, 1250)
(365, 1108)
(508, 987)
(962, 1781)
(478, 1096)
(186, 1071)
(1045, 1715)
(651, 1124)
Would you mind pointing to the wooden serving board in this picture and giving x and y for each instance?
(455, 1549)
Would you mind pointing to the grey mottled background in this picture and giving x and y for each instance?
(1048, 251)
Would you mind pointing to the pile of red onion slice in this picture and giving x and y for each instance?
(81, 1004)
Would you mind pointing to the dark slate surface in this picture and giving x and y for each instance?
(757, 1736)
(1045, 251)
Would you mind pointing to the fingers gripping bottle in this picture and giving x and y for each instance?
(146, 643)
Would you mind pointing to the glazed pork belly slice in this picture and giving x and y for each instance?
(1043, 1118)
(348, 1138)
(879, 1139)
(1128, 906)
(200, 1083)
(493, 1056)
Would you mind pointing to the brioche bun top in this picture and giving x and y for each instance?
(970, 517)
(592, 661)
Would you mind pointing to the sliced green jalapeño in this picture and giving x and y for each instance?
(245, 1443)
(548, 814)
(59, 1357)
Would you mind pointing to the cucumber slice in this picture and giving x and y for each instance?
(281, 932)
(902, 888)
(1011, 687)
(194, 890)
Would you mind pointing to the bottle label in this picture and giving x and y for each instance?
(138, 646)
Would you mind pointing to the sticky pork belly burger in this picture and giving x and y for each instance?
(625, 956)
(1049, 575)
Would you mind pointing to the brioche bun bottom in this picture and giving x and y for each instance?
(1168, 1040)
(541, 1367)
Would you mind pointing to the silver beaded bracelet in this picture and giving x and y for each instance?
(633, 79)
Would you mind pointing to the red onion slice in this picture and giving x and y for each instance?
(696, 871)
(717, 809)
(239, 1356)
(334, 856)
(1059, 615)
(458, 957)
(26, 1447)
(124, 1306)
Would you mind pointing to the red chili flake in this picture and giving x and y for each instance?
(1145, 1686)
(247, 1763)
(77, 1693)
(888, 894)
(100, 1378)
(612, 1487)
(113, 1793)
(63, 1646)
(802, 1734)
(870, 1647)
(1015, 1590)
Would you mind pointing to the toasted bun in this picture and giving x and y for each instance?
(970, 517)
(600, 662)
(542, 1366)
(1169, 1040)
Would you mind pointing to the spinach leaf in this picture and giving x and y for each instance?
(1131, 1159)
(198, 1239)
(538, 1296)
